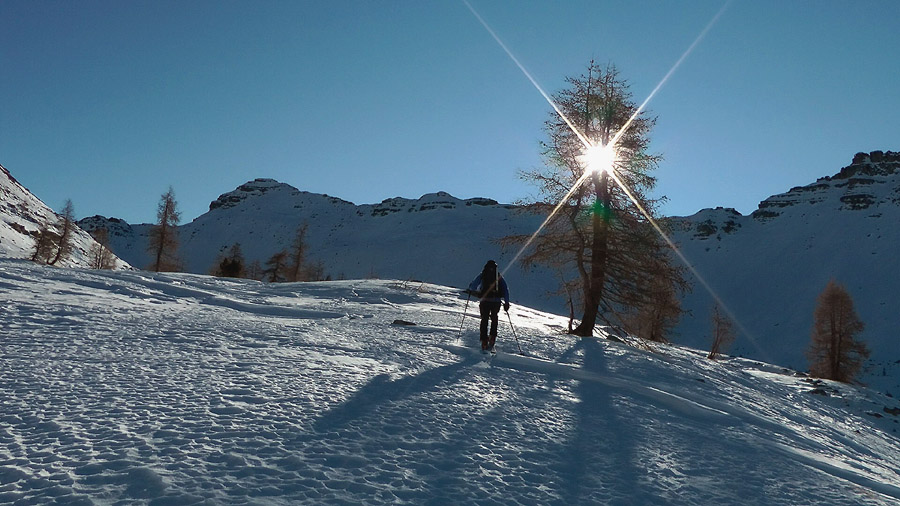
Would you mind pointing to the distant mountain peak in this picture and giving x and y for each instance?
(709, 223)
(268, 187)
(871, 180)
(114, 226)
(427, 202)
(876, 163)
(255, 188)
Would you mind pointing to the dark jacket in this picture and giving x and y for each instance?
(475, 286)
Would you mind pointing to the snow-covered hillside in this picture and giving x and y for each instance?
(769, 267)
(21, 216)
(436, 238)
(130, 387)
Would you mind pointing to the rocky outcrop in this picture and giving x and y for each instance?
(256, 188)
(427, 202)
(866, 183)
(876, 163)
(114, 226)
(710, 223)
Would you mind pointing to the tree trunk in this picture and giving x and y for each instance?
(161, 247)
(837, 331)
(600, 225)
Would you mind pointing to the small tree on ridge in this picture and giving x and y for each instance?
(163, 244)
(67, 231)
(101, 256)
(722, 332)
(295, 269)
(276, 266)
(834, 352)
(231, 265)
(44, 244)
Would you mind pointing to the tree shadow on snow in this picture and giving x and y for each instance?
(600, 464)
(382, 390)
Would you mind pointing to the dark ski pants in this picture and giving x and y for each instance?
(489, 311)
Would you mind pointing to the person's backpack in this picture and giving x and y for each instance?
(490, 282)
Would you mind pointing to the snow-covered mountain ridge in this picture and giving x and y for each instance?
(141, 388)
(22, 215)
(870, 182)
(437, 237)
(260, 187)
(867, 182)
(769, 267)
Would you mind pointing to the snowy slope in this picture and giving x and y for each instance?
(128, 387)
(769, 267)
(21, 216)
(437, 238)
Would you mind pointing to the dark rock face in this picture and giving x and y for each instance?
(876, 163)
(705, 229)
(710, 223)
(761, 214)
(259, 186)
(7, 174)
(428, 202)
(857, 202)
(857, 187)
(478, 201)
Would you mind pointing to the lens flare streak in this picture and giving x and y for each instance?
(527, 74)
(588, 145)
(549, 217)
(687, 263)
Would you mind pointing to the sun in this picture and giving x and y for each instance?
(599, 158)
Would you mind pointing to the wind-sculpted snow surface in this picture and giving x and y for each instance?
(127, 387)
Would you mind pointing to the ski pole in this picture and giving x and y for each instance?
(514, 332)
(466, 310)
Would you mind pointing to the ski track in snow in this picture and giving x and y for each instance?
(130, 387)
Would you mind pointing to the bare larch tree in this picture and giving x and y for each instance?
(163, 243)
(600, 231)
(834, 352)
(66, 233)
(722, 332)
(101, 256)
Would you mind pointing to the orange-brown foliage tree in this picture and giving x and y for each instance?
(834, 352)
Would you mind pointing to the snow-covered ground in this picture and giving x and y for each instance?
(130, 387)
(767, 268)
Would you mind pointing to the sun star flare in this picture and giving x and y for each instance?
(599, 158)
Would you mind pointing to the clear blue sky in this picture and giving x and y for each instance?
(110, 102)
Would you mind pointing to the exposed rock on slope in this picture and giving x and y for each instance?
(22, 215)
